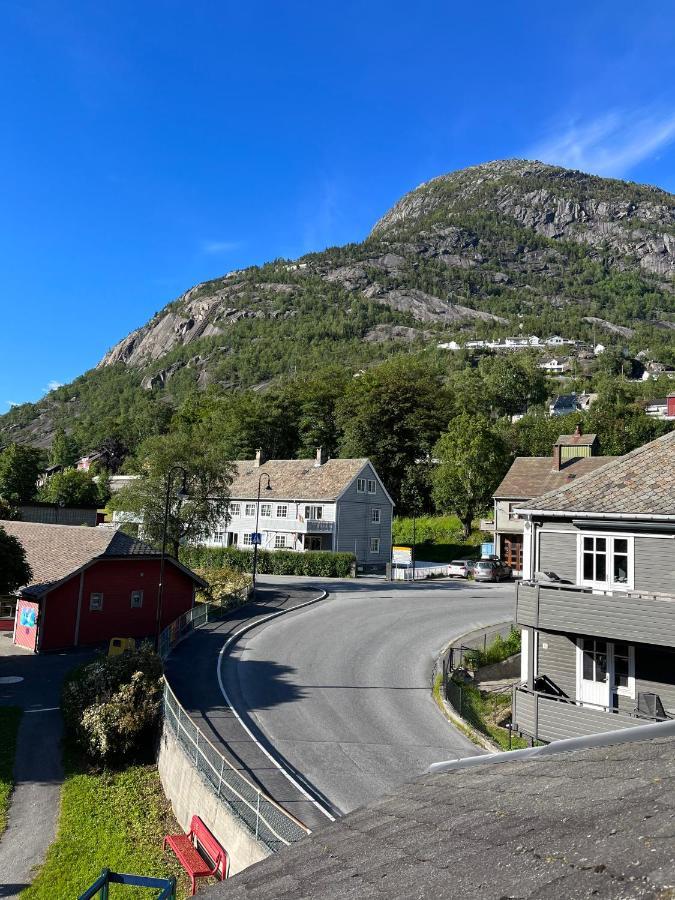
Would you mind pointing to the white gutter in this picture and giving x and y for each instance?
(566, 513)
(587, 742)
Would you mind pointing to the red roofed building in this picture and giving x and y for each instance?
(92, 584)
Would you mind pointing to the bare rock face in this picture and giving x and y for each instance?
(566, 205)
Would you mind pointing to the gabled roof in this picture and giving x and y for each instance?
(530, 476)
(56, 552)
(576, 440)
(642, 484)
(295, 479)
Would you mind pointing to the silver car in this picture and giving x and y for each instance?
(461, 568)
(491, 570)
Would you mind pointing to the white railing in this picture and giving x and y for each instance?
(400, 573)
(269, 822)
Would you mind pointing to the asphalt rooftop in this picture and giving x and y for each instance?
(594, 823)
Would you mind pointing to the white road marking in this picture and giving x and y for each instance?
(251, 625)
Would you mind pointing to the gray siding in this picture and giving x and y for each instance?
(557, 659)
(558, 553)
(654, 564)
(617, 616)
(551, 720)
(354, 526)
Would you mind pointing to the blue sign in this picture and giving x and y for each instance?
(256, 538)
(28, 618)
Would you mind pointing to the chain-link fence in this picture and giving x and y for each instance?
(265, 819)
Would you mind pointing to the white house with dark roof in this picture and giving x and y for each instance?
(338, 505)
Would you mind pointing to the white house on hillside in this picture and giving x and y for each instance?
(311, 504)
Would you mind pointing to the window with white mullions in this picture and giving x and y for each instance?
(595, 661)
(606, 561)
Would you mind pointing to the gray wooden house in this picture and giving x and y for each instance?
(530, 476)
(599, 650)
(311, 504)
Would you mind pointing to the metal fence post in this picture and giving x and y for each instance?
(220, 778)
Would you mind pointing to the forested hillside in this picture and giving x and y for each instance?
(506, 247)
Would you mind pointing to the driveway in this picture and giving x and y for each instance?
(38, 771)
(341, 690)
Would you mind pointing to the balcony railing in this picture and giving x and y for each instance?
(486, 525)
(635, 616)
(548, 718)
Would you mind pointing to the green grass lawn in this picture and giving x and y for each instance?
(10, 716)
(112, 820)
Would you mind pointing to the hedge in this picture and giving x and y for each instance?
(317, 563)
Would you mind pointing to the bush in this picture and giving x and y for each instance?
(316, 563)
(496, 652)
(112, 706)
(226, 586)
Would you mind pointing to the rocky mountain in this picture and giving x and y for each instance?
(483, 251)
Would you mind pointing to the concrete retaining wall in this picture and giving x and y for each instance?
(190, 794)
(507, 668)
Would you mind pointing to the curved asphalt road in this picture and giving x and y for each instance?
(341, 690)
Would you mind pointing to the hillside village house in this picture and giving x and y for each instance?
(92, 584)
(312, 504)
(599, 651)
(529, 476)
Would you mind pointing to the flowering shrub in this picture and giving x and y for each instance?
(226, 586)
(112, 706)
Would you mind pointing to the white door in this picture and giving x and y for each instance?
(594, 666)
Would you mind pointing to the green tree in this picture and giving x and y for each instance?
(472, 462)
(19, 469)
(70, 488)
(14, 568)
(512, 384)
(207, 482)
(393, 414)
(64, 450)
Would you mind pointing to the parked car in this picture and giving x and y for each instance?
(462, 568)
(491, 570)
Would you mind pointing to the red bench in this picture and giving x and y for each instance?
(187, 847)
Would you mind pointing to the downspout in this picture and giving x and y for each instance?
(79, 610)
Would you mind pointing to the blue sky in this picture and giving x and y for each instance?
(147, 146)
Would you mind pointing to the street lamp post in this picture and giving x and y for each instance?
(181, 494)
(268, 487)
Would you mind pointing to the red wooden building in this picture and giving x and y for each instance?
(92, 584)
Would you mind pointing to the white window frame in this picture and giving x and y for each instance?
(266, 510)
(374, 545)
(247, 539)
(235, 509)
(372, 486)
(313, 512)
(280, 542)
(608, 584)
(375, 515)
(96, 601)
(629, 690)
(136, 596)
(280, 514)
(218, 537)
(360, 485)
(249, 509)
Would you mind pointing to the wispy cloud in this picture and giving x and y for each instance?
(215, 248)
(611, 144)
(53, 385)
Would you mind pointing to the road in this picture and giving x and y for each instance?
(341, 689)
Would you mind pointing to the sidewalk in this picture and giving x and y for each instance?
(38, 770)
